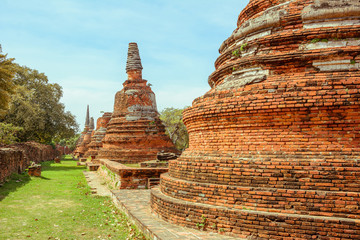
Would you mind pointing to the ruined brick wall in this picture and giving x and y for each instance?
(128, 177)
(11, 161)
(274, 145)
(17, 157)
(64, 150)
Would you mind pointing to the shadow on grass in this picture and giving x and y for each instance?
(51, 166)
(45, 178)
(14, 182)
(67, 158)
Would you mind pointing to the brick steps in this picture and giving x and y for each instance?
(315, 203)
(248, 223)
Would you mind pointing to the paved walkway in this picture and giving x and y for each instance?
(95, 184)
(136, 204)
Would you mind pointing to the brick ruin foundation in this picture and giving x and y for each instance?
(120, 176)
(16, 158)
(274, 145)
(135, 132)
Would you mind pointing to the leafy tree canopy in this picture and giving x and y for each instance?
(7, 72)
(175, 128)
(9, 133)
(71, 142)
(35, 106)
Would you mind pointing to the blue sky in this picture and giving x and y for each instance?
(82, 45)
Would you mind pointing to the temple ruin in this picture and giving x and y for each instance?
(98, 134)
(84, 146)
(134, 133)
(78, 152)
(274, 145)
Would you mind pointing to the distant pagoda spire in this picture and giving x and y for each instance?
(133, 64)
(87, 120)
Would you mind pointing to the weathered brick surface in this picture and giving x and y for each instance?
(81, 146)
(154, 164)
(135, 132)
(249, 223)
(278, 133)
(11, 161)
(64, 150)
(16, 158)
(84, 145)
(98, 134)
(130, 178)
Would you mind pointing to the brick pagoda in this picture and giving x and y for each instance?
(135, 132)
(98, 134)
(77, 153)
(274, 145)
(84, 146)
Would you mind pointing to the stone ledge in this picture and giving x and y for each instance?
(93, 166)
(132, 178)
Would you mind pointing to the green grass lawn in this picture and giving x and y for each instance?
(58, 205)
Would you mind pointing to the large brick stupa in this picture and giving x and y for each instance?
(135, 133)
(274, 145)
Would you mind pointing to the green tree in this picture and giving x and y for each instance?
(175, 128)
(6, 85)
(35, 106)
(71, 142)
(9, 133)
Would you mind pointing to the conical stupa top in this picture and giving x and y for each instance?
(87, 120)
(133, 59)
(91, 123)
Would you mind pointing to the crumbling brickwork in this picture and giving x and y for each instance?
(16, 158)
(81, 147)
(124, 177)
(84, 146)
(274, 145)
(135, 132)
(99, 133)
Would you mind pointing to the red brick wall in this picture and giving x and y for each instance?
(16, 158)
